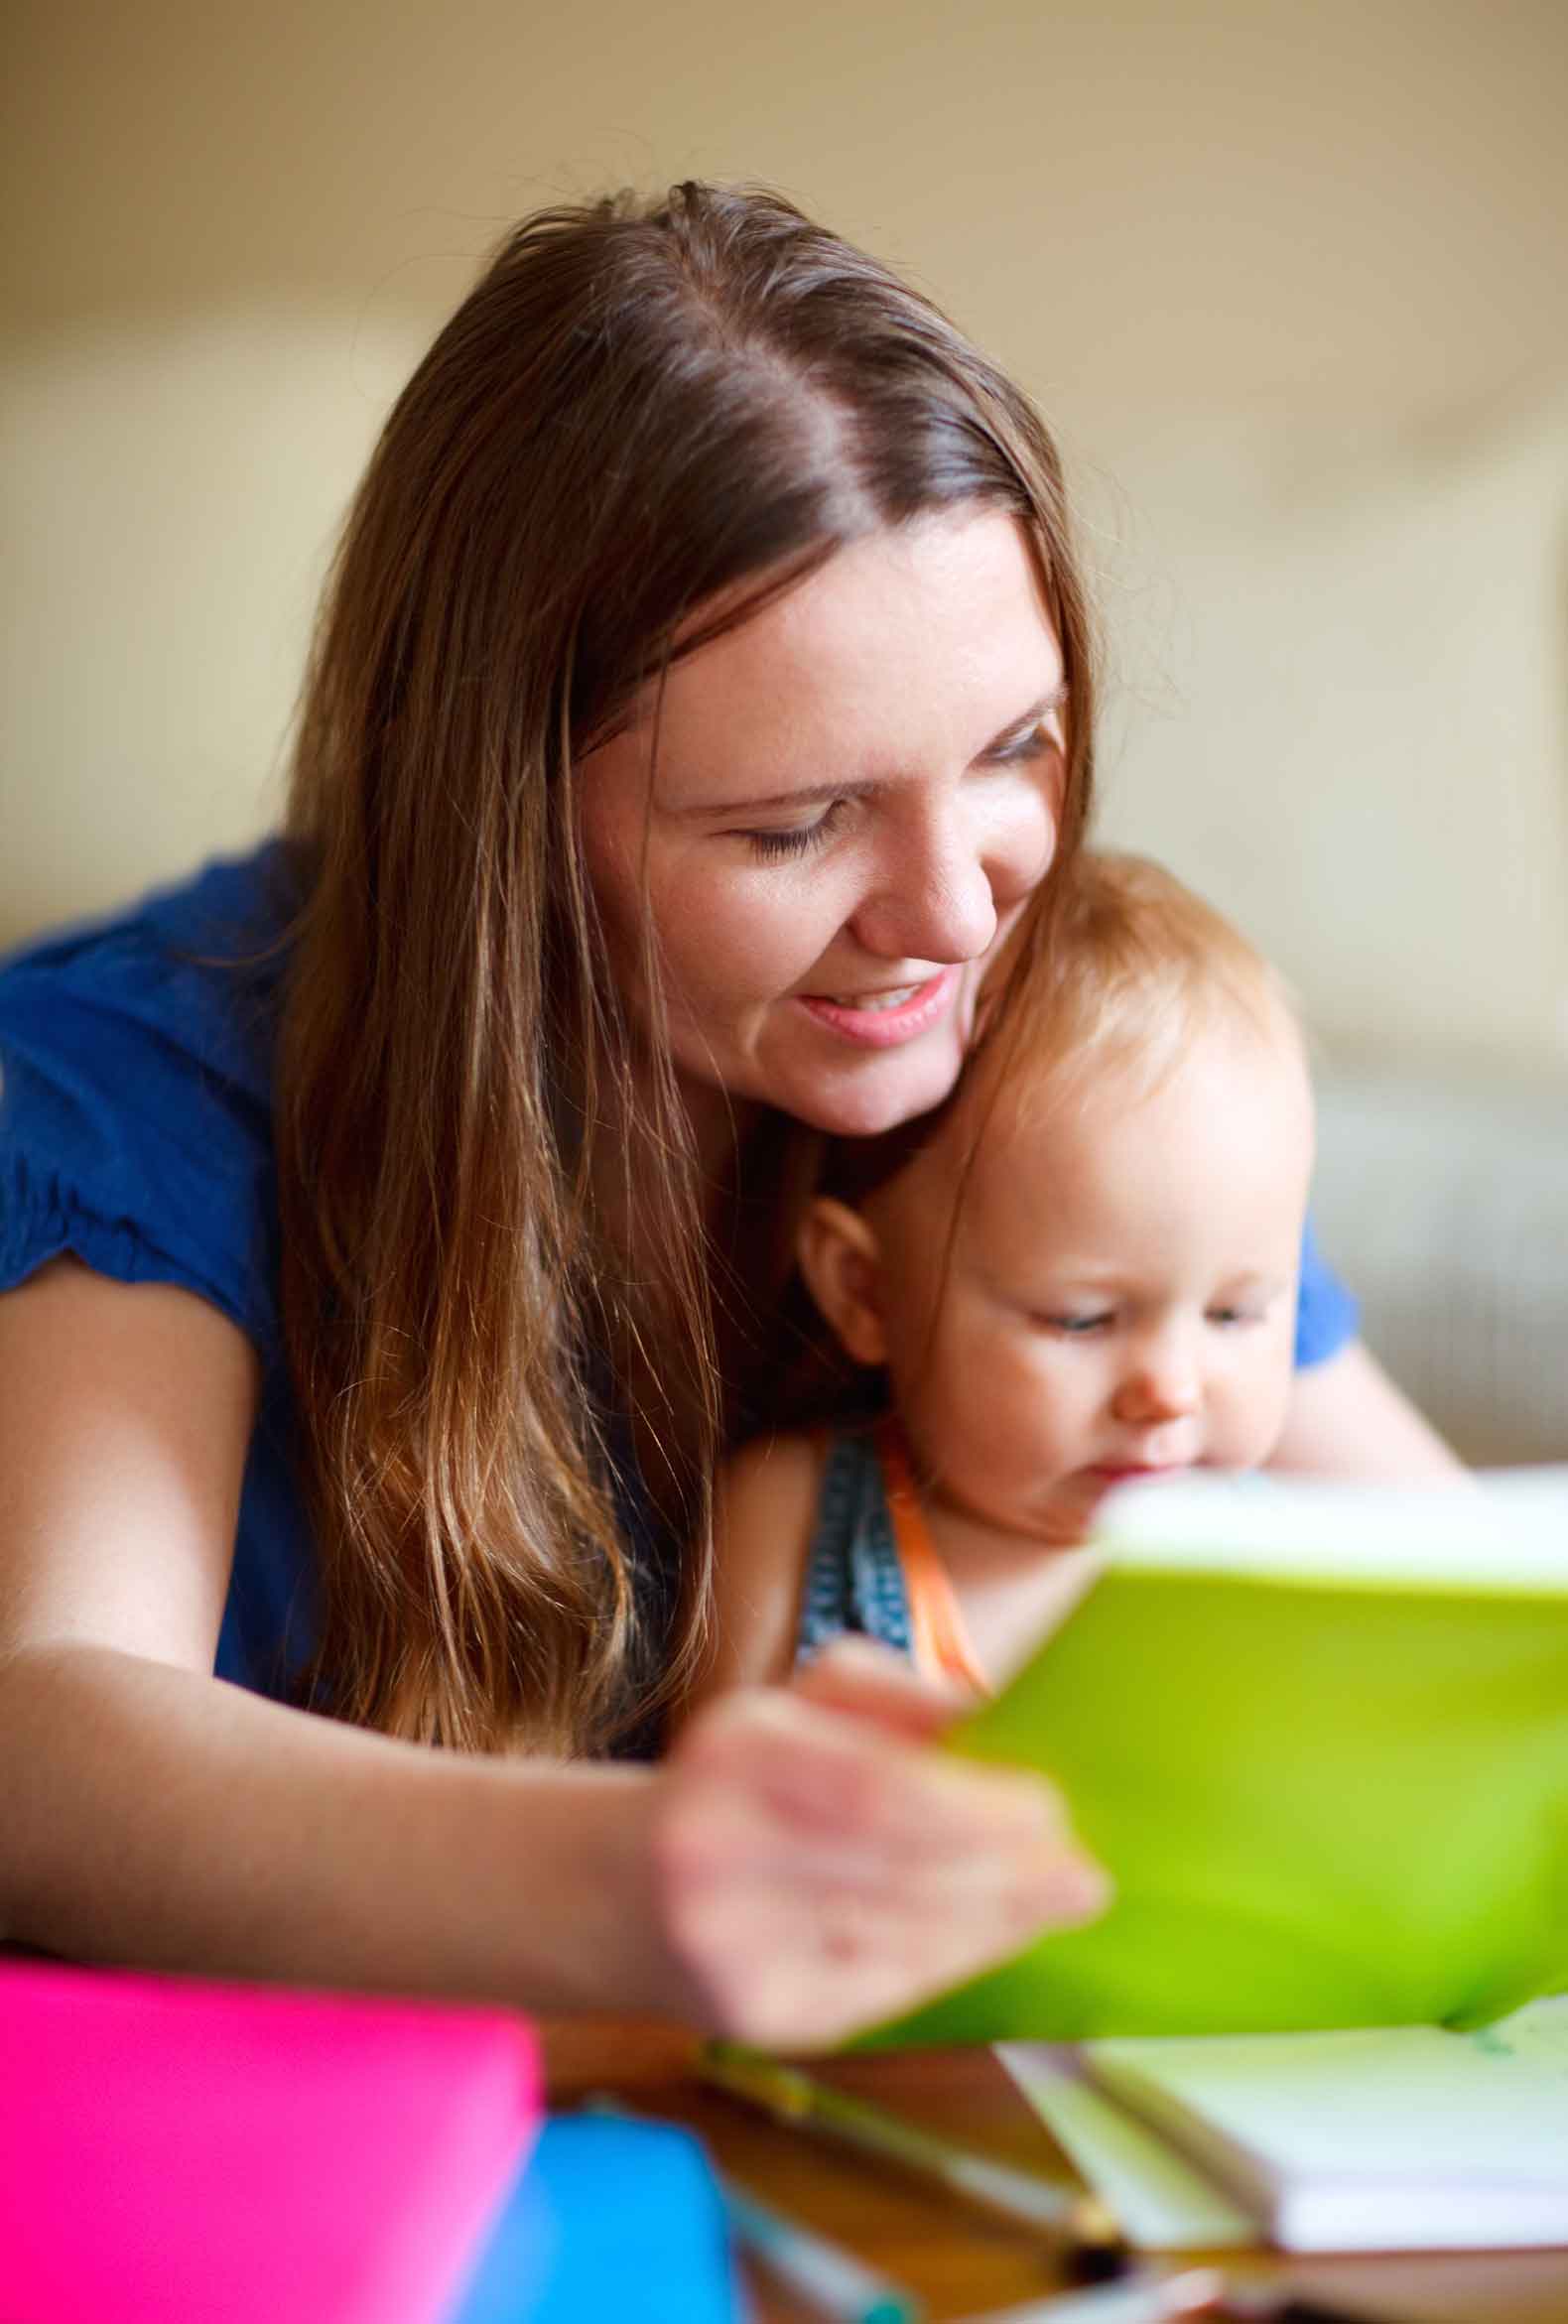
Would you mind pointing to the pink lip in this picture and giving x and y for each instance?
(885, 1028)
(1126, 1475)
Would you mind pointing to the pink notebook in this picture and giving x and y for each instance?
(184, 2152)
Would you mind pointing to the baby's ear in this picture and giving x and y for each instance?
(841, 1262)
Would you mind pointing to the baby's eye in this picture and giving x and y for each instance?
(1230, 1312)
(1080, 1325)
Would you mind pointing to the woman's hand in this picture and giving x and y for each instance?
(817, 1869)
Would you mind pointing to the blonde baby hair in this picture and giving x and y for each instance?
(1137, 966)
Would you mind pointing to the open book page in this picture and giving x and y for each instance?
(1404, 2138)
(1498, 1533)
(1161, 2201)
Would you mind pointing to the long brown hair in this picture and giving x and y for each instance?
(639, 413)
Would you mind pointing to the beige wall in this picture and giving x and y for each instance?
(1289, 280)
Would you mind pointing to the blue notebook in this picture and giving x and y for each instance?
(614, 2220)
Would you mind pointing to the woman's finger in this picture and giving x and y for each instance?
(820, 1872)
(872, 1681)
(857, 1782)
(783, 1954)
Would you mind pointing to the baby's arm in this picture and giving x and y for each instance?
(764, 1513)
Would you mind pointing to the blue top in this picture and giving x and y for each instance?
(136, 1064)
(136, 1132)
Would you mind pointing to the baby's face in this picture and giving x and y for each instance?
(1121, 1294)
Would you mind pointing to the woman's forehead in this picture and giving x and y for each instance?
(927, 637)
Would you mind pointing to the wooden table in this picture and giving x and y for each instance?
(962, 2262)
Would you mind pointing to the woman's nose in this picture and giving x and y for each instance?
(939, 911)
(940, 890)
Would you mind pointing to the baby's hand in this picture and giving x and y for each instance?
(819, 1870)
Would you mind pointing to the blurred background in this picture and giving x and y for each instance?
(1289, 283)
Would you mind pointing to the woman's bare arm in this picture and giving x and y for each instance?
(1346, 1418)
(798, 1866)
(174, 1820)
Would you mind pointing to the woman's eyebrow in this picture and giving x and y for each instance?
(824, 794)
(755, 803)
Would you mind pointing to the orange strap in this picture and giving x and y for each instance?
(936, 1620)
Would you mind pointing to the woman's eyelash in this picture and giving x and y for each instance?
(798, 839)
(1033, 744)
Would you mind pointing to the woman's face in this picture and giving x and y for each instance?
(854, 792)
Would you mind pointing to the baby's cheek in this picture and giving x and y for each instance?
(1021, 1415)
(962, 1420)
(1258, 1416)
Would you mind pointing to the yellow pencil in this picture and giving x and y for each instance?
(795, 2099)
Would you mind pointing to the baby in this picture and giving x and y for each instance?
(1086, 1272)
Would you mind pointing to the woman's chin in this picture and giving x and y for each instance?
(861, 1097)
(867, 1106)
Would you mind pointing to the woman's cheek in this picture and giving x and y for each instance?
(739, 936)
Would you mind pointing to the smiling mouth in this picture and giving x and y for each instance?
(878, 1020)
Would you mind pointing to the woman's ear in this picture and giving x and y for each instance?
(841, 1262)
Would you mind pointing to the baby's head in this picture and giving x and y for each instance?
(1088, 1271)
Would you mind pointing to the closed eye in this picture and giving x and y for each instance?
(1079, 1327)
(1036, 736)
(793, 838)
(1040, 741)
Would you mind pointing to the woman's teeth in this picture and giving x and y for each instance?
(874, 1000)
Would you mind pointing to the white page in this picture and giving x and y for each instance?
(1161, 2201)
(1503, 1530)
(1379, 2193)
(1409, 2102)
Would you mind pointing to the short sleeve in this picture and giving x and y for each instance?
(1327, 1316)
(135, 1115)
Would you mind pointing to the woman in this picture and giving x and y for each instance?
(701, 692)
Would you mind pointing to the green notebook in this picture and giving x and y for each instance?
(1319, 1736)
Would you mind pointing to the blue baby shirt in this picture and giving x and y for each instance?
(136, 1066)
